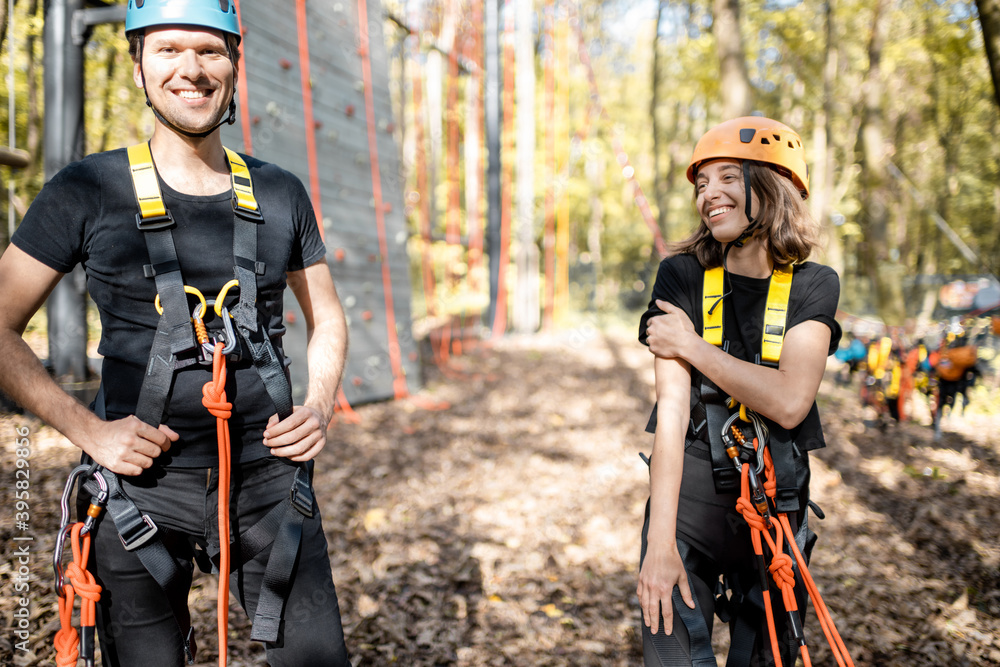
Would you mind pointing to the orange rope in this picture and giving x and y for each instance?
(549, 140)
(427, 260)
(214, 399)
(395, 358)
(499, 324)
(302, 27)
(781, 566)
(78, 581)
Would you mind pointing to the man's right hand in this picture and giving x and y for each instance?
(128, 446)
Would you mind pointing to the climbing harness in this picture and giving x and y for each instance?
(748, 450)
(708, 407)
(761, 469)
(182, 339)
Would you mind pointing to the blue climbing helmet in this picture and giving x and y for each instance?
(215, 14)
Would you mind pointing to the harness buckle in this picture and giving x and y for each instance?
(246, 213)
(154, 223)
(137, 539)
(301, 495)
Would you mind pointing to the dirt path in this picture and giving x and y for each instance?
(503, 529)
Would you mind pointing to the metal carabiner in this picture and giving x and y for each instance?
(64, 525)
(227, 336)
(96, 503)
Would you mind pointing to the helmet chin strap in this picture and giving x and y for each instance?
(752, 227)
(228, 120)
(197, 135)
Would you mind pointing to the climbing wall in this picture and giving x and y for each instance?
(366, 246)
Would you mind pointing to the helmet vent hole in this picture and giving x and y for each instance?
(765, 141)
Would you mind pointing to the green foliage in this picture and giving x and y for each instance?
(114, 113)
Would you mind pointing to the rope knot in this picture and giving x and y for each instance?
(781, 570)
(83, 582)
(750, 515)
(215, 401)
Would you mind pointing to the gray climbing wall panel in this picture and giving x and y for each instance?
(278, 134)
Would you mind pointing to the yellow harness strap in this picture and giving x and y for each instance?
(147, 189)
(775, 311)
(243, 198)
(712, 306)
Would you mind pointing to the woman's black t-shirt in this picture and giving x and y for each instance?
(814, 295)
(87, 215)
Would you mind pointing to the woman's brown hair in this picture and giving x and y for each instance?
(789, 231)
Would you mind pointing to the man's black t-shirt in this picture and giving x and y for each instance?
(814, 296)
(87, 215)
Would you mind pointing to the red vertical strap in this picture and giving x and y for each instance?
(427, 259)
(507, 170)
(243, 91)
(474, 222)
(564, 165)
(550, 167)
(395, 357)
(453, 232)
(620, 155)
(307, 111)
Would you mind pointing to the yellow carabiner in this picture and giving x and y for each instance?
(190, 290)
(220, 300)
(743, 413)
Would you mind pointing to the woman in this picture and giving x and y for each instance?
(750, 181)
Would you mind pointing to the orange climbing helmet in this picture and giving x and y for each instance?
(755, 138)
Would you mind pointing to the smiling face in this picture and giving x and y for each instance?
(189, 78)
(721, 199)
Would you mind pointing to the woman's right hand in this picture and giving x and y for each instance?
(662, 569)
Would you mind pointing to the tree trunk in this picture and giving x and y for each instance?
(821, 177)
(989, 19)
(3, 21)
(737, 95)
(881, 263)
(661, 190)
(526, 300)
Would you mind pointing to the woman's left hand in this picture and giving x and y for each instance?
(667, 333)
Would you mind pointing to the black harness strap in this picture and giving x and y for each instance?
(701, 639)
(281, 562)
(282, 526)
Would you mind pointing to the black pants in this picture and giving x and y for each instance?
(139, 625)
(715, 545)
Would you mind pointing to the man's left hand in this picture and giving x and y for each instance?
(299, 437)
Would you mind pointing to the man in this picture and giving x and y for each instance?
(165, 461)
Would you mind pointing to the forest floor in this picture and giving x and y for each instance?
(496, 521)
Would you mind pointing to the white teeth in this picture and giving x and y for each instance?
(191, 94)
(719, 211)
